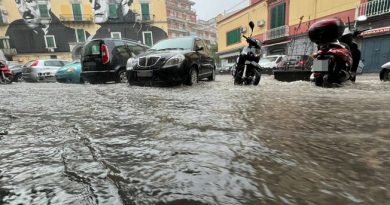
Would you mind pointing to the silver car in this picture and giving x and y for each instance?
(42, 70)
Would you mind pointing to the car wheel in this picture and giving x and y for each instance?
(82, 80)
(122, 78)
(212, 77)
(19, 78)
(192, 77)
(386, 75)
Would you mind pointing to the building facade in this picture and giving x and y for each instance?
(37, 29)
(284, 25)
(181, 18)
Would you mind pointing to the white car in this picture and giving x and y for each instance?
(272, 61)
(38, 70)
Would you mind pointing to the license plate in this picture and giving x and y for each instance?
(144, 73)
(320, 65)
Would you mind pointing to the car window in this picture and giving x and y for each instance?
(121, 50)
(53, 63)
(205, 47)
(175, 43)
(92, 48)
(198, 44)
(28, 64)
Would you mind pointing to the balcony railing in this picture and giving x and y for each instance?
(278, 32)
(374, 8)
(76, 18)
(9, 51)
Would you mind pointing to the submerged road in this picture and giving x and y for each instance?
(213, 143)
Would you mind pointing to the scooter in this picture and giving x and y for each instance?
(384, 75)
(248, 71)
(5, 74)
(333, 60)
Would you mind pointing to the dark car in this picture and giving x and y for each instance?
(17, 71)
(172, 61)
(297, 62)
(104, 60)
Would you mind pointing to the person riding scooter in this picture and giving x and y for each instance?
(347, 38)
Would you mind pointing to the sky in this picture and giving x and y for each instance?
(207, 9)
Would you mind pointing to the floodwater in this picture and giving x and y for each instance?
(214, 143)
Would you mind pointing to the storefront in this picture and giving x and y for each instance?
(375, 48)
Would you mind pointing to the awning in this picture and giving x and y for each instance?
(279, 43)
(376, 31)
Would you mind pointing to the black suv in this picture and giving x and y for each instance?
(104, 60)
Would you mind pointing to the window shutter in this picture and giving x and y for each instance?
(44, 12)
(80, 35)
(145, 11)
(113, 10)
(77, 12)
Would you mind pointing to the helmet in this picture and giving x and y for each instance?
(347, 36)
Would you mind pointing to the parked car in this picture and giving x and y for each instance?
(297, 62)
(17, 71)
(272, 62)
(172, 61)
(227, 69)
(70, 73)
(42, 70)
(385, 72)
(104, 60)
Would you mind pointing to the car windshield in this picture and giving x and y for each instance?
(175, 43)
(267, 59)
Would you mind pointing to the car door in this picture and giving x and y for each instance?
(203, 70)
(207, 59)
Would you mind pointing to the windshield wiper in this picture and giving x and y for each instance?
(164, 49)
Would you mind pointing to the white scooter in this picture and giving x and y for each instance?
(384, 75)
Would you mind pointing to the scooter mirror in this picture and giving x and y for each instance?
(252, 25)
(361, 18)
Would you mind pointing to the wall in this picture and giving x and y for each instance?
(31, 42)
(157, 9)
(316, 9)
(253, 13)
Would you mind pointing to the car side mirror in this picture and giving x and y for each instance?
(199, 49)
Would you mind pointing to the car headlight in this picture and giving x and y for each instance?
(71, 70)
(131, 63)
(174, 61)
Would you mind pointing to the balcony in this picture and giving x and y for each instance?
(374, 8)
(9, 51)
(276, 33)
(182, 30)
(76, 18)
(175, 7)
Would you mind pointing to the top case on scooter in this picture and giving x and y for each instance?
(326, 31)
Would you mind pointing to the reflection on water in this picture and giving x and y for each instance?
(215, 143)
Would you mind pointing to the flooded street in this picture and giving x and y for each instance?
(214, 143)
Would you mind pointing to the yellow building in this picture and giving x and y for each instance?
(280, 24)
(40, 29)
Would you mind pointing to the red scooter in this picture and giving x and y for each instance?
(5, 74)
(333, 60)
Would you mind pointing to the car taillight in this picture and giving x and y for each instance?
(105, 54)
(35, 63)
(301, 62)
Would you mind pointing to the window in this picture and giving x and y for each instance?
(112, 8)
(77, 15)
(50, 41)
(1, 17)
(278, 14)
(80, 35)
(233, 37)
(145, 11)
(53, 63)
(43, 11)
(116, 35)
(4, 43)
(148, 38)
